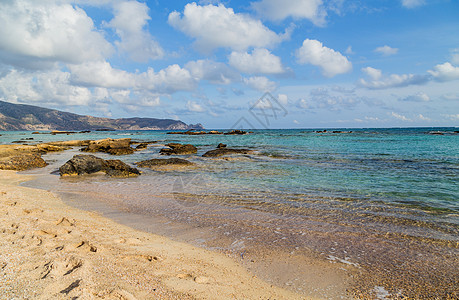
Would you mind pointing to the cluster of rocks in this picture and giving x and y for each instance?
(333, 131)
(24, 157)
(190, 132)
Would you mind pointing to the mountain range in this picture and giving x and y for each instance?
(29, 117)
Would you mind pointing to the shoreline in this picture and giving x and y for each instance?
(52, 249)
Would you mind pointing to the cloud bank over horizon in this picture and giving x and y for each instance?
(329, 63)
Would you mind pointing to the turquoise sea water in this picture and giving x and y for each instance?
(397, 166)
(373, 198)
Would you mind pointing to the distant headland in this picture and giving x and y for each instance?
(29, 117)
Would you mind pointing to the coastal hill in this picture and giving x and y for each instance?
(29, 117)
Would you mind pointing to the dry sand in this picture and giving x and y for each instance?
(52, 251)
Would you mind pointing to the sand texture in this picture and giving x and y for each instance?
(52, 251)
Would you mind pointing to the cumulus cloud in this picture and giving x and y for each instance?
(37, 33)
(330, 61)
(445, 72)
(260, 83)
(373, 73)
(400, 117)
(50, 87)
(276, 10)
(192, 106)
(217, 26)
(215, 72)
(386, 50)
(260, 61)
(413, 3)
(378, 81)
(100, 74)
(130, 19)
(419, 97)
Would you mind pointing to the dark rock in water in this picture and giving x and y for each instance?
(35, 132)
(225, 151)
(436, 133)
(117, 168)
(236, 132)
(178, 149)
(142, 145)
(164, 163)
(22, 161)
(89, 164)
(85, 131)
(112, 146)
(221, 146)
(82, 164)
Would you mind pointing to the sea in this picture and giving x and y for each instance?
(380, 205)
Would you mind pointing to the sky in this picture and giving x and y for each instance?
(237, 64)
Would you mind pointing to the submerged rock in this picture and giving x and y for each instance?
(89, 164)
(178, 149)
(111, 146)
(225, 151)
(221, 146)
(164, 164)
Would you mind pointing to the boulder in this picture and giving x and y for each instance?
(89, 164)
(178, 149)
(111, 146)
(82, 164)
(117, 168)
(221, 146)
(225, 151)
(164, 164)
(22, 161)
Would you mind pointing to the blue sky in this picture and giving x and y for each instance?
(338, 63)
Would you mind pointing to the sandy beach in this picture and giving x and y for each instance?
(53, 251)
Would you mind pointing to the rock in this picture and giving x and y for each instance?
(164, 164)
(225, 151)
(54, 132)
(82, 164)
(178, 149)
(142, 145)
(89, 164)
(221, 146)
(35, 132)
(112, 146)
(22, 161)
(117, 168)
(73, 143)
(50, 148)
(233, 132)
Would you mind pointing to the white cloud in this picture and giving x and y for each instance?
(101, 74)
(330, 61)
(453, 117)
(260, 61)
(260, 83)
(277, 10)
(400, 117)
(413, 3)
(349, 50)
(296, 122)
(373, 73)
(194, 107)
(283, 99)
(386, 50)
(129, 21)
(378, 81)
(455, 56)
(419, 97)
(445, 72)
(304, 104)
(47, 87)
(34, 32)
(217, 26)
(422, 118)
(215, 72)
(451, 96)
